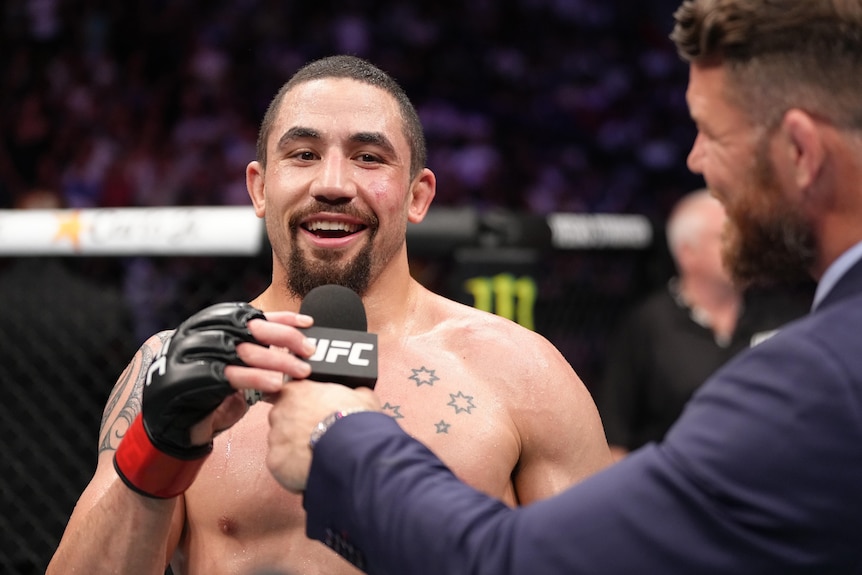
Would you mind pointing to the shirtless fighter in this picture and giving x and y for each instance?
(340, 172)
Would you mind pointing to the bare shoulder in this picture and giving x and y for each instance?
(551, 413)
(478, 381)
(497, 343)
(124, 402)
(483, 327)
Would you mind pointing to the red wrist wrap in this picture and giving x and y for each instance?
(151, 472)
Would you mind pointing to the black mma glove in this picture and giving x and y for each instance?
(185, 383)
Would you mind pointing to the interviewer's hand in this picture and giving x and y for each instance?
(300, 406)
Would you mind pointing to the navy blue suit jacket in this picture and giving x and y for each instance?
(761, 474)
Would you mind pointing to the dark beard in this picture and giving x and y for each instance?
(304, 275)
(767, 242)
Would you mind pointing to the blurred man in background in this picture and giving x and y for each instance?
(682, 333)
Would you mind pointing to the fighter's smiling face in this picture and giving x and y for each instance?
(336, 189)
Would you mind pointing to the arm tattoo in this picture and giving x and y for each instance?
(135, 374)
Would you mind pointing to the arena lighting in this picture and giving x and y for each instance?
(217, 230)
(446, 230)
(236, 231)
(600, 231)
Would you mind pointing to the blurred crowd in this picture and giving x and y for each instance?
(539, 105)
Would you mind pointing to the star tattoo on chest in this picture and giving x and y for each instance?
(393, 410)
(423, 376)
(442, 426)
(461, 402)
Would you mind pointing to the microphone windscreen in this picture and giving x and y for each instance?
(335, 306)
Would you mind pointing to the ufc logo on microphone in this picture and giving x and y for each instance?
(328, 351)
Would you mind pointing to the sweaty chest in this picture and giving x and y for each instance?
(235, 494)
(239, 520)
(454, 408)
(462, 415)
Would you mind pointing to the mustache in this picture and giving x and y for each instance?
(346, 209)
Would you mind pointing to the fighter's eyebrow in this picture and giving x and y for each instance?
(297, 133)
(374, 138)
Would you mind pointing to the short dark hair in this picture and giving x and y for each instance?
(354, 68)
(780, 54)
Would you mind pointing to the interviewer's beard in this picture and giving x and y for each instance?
(767, 242)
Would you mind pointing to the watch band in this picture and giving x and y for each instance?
(321, 428)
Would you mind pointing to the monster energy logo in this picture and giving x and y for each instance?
(505, 295)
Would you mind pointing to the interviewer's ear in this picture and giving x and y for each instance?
(803, 149)
(421, 194)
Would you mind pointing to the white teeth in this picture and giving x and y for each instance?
(318, 226)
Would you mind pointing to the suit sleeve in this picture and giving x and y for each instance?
(760, 475)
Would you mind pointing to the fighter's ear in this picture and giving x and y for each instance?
(421, 194)
(254, 182)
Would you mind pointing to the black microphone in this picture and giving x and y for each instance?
(346, 353)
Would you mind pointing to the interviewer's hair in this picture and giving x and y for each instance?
(343, 66)
(780, 54)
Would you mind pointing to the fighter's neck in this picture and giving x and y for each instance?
(387, 304)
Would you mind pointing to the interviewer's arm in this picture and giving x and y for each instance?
(723, 494)
(379, 497)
